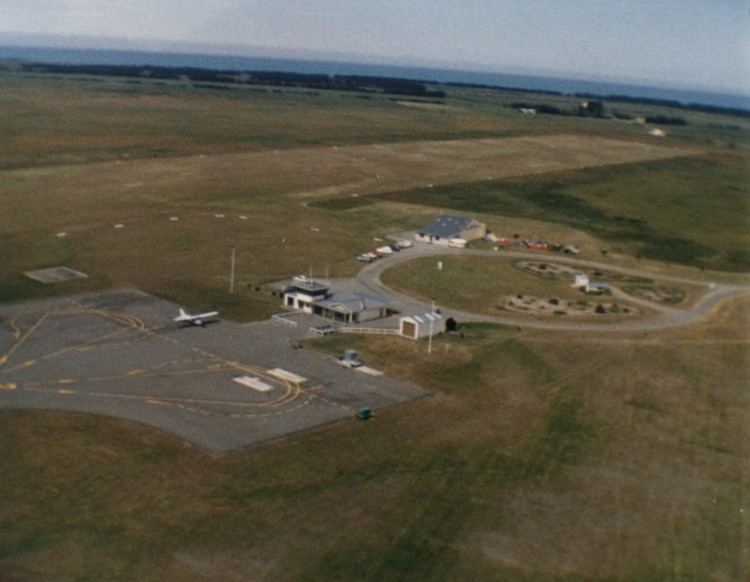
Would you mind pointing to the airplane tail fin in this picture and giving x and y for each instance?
(183, 313)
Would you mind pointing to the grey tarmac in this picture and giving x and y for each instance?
(119, 354)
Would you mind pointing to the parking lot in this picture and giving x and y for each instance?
(220, 387)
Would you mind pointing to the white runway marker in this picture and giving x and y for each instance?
(369, 371)
(253, 383)
(286, 375)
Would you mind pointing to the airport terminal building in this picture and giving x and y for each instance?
(316, 297)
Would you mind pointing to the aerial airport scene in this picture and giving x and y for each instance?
(412, 291)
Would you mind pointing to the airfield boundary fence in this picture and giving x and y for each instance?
(284, 318)
(370, 330)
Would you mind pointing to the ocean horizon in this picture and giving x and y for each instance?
(439, 75)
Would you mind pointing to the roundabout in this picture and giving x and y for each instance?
(655, 301)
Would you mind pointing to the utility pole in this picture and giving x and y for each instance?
(231, 272)
(429, 340)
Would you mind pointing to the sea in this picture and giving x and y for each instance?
(246, 63)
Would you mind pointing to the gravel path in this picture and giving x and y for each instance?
(369, 277)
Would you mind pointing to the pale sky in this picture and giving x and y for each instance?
(702, 43)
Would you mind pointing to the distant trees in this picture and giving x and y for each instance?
(591, 109)
(208, 78)
(665, 120)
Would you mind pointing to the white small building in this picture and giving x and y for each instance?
(303, 292)
(586, 285)
(598, 288)
(418, 326)
(581, 281)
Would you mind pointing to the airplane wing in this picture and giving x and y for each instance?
(195, 319)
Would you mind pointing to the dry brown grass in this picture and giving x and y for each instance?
(540, 456)
(543, 456)
(187, 259)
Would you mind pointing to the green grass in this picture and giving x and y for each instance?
(688, 210)
(473, 283)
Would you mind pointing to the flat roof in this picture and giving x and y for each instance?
(309, 284)
(352, 302)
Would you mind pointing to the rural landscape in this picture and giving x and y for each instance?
(554, 431)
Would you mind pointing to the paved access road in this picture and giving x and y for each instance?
(369, 278)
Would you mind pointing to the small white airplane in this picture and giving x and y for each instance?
(195, 319)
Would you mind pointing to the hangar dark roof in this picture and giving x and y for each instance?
(447, 226)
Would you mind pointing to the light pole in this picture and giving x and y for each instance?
(231, 272)
(429, 339)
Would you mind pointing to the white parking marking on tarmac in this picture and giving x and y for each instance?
(286, 375)
(253, 383)
(369, 371)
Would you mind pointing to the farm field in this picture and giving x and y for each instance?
(538, 455)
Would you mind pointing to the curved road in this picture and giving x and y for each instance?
(369, 277)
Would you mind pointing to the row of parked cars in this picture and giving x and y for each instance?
(385, 251)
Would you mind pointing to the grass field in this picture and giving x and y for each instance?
(544, 456)
(540, 455)
(688, 210)
(475, 283)
(276, 189)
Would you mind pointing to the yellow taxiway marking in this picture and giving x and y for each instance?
(129, 322)
(85, 344)
(16, 331)
(142, 374)
(170, 399)
(23, 338)
(9, 386)
(26, 364)
(67, 381)
(38, 388)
